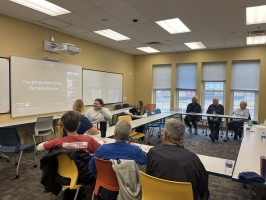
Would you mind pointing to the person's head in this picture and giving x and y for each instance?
(70, 121)
(98, 104)
(122, 130)
(243, 105)
(78, 106)
(194, 99)
(139, 104)
(215, 101)
(173, 131)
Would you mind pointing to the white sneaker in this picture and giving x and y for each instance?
(190, 130)
(196, 131)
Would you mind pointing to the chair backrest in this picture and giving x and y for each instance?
(118, 106)
(67, 168)
(106, 176)
(148, 112)
(44, 125)
(125, 105)
(9, 137)
(157, 111)
(150, 107)
(60, 131)
(160, 189)
(125, 117)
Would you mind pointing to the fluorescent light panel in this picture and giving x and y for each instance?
(256, 40)
(195, 45)
(43, 6)
(148, 49)
(173, 26)
(256, 15)
(112, 35)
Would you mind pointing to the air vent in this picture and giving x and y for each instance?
(257, 33)
(153, 43)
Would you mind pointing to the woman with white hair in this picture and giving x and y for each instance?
(235, 124)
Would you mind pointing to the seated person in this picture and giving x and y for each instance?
(86, 126)
(83, 146)
(98, 112)
(71, 122)
(171, 161)
(121, 149)
(235, 124)
(193, 108)
(214, 122)
(136, 113)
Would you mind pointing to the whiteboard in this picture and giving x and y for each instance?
(39, 87)
(105, 85)
(4, 86)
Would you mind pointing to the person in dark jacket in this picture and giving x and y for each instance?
(193, 108)
(171, 161)
(215, 122)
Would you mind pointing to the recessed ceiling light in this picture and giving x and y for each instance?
(173, 26)
(148, 49)
(256, 40)
(112, 35)
(43, 6)
(256, 15)
(195, 45)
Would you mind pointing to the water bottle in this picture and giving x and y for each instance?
(263, 136)
(228, 166)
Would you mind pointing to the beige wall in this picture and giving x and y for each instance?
(143, 71)
(24, 39)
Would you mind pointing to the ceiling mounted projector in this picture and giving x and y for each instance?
(65, 48)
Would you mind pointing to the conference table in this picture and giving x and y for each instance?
(248, 159)
(226, 117)
(213, 165)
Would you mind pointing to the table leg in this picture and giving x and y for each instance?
(226, 130)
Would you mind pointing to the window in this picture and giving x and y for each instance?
(249, 97)
(186, 84)
(245, 85)
(213, 77)
(162, 99)
(162, 86)
(184, 98)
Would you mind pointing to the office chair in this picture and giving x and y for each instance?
(10, 143)
(43, 127)
(150, 107)
(125, 105)
(118, 106)
(106, 177)
(133, 135)
(67, 168)
(160, 189)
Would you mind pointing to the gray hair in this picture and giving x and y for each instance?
(244, 102)
(195, 97)
(123, 129)
(175, 129)
(216, 98)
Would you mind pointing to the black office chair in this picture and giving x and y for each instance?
(125, 105)
(118, 106)
(10, 143)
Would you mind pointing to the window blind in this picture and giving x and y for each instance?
(245, 75)
(186, 75)
(162, 76)
(214, 71)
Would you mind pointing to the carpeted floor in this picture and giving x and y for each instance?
(27, 186)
